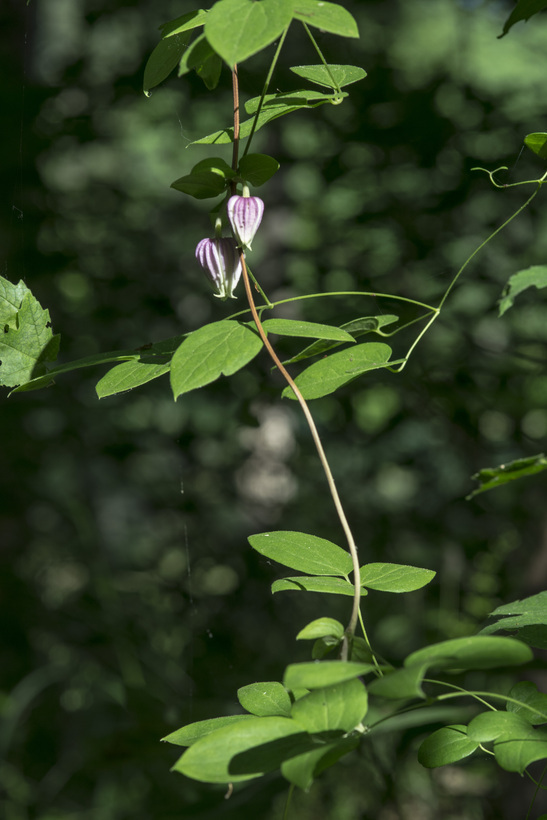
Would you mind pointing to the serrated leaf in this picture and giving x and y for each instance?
(256, 169)
(243, 750)
(306, 553)
(219, 349)
(305, 583)
(527, 617)
(523, 11)
(341, 706)
(318, 674)
(516, 742)
(186, 22)
(473, 652)
(127, 376)
(400, 684)
(331, 76)
(536, 277)
(327, 375)
(447, 745)
(356, 328)
(321, 628)
(327, 16)
(537, 143)
(187, 735)
(164, 59)
(265, 699)
(313, 330)
(303, 769)
(394, 577)
(237, 29)
(26, 338)
(491, 477)
(532, 704)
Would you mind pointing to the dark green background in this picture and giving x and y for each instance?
(131, 601)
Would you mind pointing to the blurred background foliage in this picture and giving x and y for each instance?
(131, 602)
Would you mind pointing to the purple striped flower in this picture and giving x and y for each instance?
(245, 215)
(220, 260)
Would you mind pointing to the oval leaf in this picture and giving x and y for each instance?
(256, 169)
(313, 330)
(400, 684)
(516, 742)
(537, 143)
(221, 348)
(321, 628)
(447, 745)
(302, 770)
(237, 29)
(394, 577)
(265, 699)
(327, 375)
(303, 552)
(164, 59)
(317, 674)
(327, 16)
(127, 376)
(304, 583)
(188, 21)
(188, 735)
(475, 652)
(532, 704)
(331, 76)
(339, 707)
(536, 277)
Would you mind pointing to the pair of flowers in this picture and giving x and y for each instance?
(220, 257)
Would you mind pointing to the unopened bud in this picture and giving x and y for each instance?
(220, 260)
(245, 215)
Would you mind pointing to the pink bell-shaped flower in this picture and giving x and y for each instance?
(220, 260)
(245, 215)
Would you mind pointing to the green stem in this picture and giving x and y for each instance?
(325, 64)
(288, 802)
(538, 787)
(265, 89)
(268, 304)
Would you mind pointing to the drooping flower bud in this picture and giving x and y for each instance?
(245, 215)
(220, 260)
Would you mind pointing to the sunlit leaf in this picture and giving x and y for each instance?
(528, 618)
(188, 21)
(265, 699)
(341, 706)
(237, 29)
(523, 11)
(331, 76)
(447, 745)
(317, 674)
(356, 328)
(536, 276)
(306, 553)
(206, 62)
(473, 652)
(313, 330)
(129, 375)
(320, 628)
(327, 16)
(305, 583)
(532, 704)
(218, 349)
(537, 143)
(328, 374)
(516, 742)
(395, 577)
(491, 477)
(400, 684)
(188, 735)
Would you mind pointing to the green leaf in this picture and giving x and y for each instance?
(338, 707)
(523, 11)
(186, 22)
(331, 76)
(127, 376)
(400, 684)
(356, 328)
(537, 143)
(327, 375)
(188, 735)
(265, 699)
(26, 339)
(164, 59)
(447, 745)
(306, 553)
(243, 750)
(208, 178)
(324, 646)
(297, 328)
(256, 169)
(321, 628)
(276, 105)
(528, 618)
(533, 704)
(327, 16)
(221, 348)
(516, 742)
(201, 57)
(304, 583)
(474, 652)
(303, 769)
(318, 674)
(237, 29)
(395, 577)
(491, 477)
(536, 276)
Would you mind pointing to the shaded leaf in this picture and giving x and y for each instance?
(328, 374)
(327, 16)
(186, 22)
(318, 674)
(303, 769)
(314, 330)
(516, 742)
(237, 29)
(523, 11)
(528, 618)
(256, 169)
(400, 684)
(536, 276)
(324, 646)
(533, 704)
(356, 328)
(473, 652)
(304, 583)
(341, 706)
(491, 477)
(220, 348)
(394, 577)
(201, 57)
(164, 59)
(306, 553)
(320, 628)
(333, 76)
(265, 699)
(447, 745)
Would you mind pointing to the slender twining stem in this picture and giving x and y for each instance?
(235, 150)
(320, 54)
(313, 429)
(538, 787)
(264, 90)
